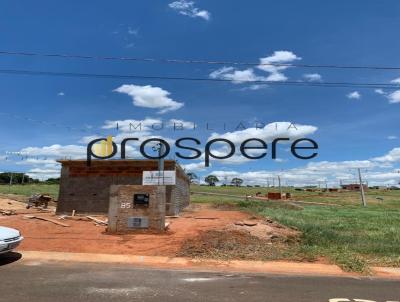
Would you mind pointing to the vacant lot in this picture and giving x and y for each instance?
(348, 234)
(342, 232)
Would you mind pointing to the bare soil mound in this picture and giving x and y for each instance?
(252, 239)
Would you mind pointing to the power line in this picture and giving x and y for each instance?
(177, 78)
(191, 61)
(51, 124)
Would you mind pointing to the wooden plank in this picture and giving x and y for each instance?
(47, 219)
(99, 221)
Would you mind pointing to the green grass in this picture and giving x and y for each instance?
(30, 189)
(351, 236)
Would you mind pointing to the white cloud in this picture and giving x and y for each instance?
(342, 165)
(133, 31)
(312, 77)
(150, 97)
(268, 132)
(395, 81)
(42, 160)
(194, 167)
(188, 8)
(276, 63)
(394, 97)
(236, 76)
(178, 124)
(391, 137)
(36, 161)
(43, 173)
(275, 70)
(355, 95)
(148, 125)
(145, 126)
(61, 93)
(391, 157)
(57, 151)
(257, 86)
(332, 172)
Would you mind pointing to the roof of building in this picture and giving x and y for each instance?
(144, 164)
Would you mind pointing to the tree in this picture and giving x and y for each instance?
(211, 180)
(53, 180)
(236, 181)
(14, 178)
(192, 176)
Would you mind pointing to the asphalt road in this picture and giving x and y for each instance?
(61, 281)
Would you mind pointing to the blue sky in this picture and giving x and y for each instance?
(354, 127)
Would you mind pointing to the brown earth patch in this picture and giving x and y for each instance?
(83, 236)
(253, 239)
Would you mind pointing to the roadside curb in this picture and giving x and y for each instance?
(270, 267)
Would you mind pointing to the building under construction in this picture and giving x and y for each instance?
(354, 187)
(86, 189)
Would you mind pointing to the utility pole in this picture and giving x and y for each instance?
(161, 152)
(364, 202)
(160, 148)
(279, 184)
(11, 179)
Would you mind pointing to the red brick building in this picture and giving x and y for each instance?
(354, 187)
(86, 189)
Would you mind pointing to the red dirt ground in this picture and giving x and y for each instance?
(86, 237)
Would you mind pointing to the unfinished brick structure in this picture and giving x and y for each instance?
(87, 189)
(125, 216)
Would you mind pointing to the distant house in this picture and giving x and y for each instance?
(354, 187)
(379, 187)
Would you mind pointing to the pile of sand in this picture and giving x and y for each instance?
(10, 204)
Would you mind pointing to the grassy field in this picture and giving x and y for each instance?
(349, 235)
(30, 189)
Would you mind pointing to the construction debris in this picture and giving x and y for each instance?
(98, 221)
(46, 219)
(39, 200)
(76, 218)
(8, 212)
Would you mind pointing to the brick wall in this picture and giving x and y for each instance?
(121, 207)
(86, 189)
